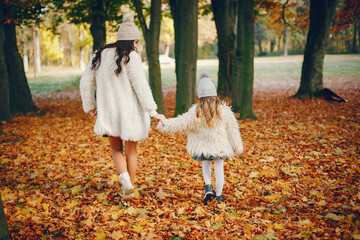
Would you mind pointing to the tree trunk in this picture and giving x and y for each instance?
(185, 15)
(81, 58)
(97, 28)
(285, 43)
(243, 81)
(26, 58)
(224, 15)
(4, 231)
(321, 13)
(358, 31)
(279, 44)
(4, 82)
(354, 48)
(20, 96)
(34, 50)
(152, 36)
(260, 48)
(272, 45)
(37, 49)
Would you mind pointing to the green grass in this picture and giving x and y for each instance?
(49, 84)
(278, 68)
(266, 69)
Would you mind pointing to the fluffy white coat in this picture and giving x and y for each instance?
(123, 103)
(223, 139)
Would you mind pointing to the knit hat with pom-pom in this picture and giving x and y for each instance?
(206, 87)
(128, 30)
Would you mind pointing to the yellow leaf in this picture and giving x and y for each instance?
(322, 203)
(76, 189)
(136, 193)
(334, 217)
(122, 223)
(63, 152)
(234, 180)
(218, 218)
(46, 206)
(137, 228)
(279, 226)
(356, 236)
(274, 197)
(218, 226)
(304, 222)
(88, 222)
(253, 175)
(130, 211)
(6, 195)
(100, 235)
(247, 229)
(71, 204)
(57, 161)
(117, 235)
(114, 178)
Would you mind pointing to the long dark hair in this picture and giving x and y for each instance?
(123, 49)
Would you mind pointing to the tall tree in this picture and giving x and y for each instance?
(152, 35)
(321, 13)
(185, 13)
(4, 83)
(97, 28)
(20, 96)
(94, 12)
(224, 14)
(243, 80)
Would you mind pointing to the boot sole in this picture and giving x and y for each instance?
(208, 196)
(128, 194)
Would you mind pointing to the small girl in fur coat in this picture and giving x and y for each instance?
(212, 132)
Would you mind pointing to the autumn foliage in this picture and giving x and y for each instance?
(298, 177)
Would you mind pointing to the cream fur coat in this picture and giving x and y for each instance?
(123, 103)
(223, 140)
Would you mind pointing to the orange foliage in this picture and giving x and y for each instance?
(297, 178)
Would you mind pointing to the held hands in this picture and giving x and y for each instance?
(160, 117)
(93, 113)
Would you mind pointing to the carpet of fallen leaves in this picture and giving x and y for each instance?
(298, 177)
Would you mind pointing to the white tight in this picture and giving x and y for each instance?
(219, 174)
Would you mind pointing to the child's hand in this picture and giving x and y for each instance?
(161, 118)
(93, 113)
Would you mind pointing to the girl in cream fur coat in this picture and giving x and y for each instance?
(124, 103)
(212, 133)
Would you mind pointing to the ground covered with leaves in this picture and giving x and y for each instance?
(298, 177)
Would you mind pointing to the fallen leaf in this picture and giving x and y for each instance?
(161, 195)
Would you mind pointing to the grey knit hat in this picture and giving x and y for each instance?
(128, 30)
(206, 87)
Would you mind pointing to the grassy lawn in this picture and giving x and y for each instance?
(267, 69)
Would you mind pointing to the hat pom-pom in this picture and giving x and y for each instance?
(128, 18)
(204, 74)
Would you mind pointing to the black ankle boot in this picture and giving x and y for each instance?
(220, 198)
(209, 193)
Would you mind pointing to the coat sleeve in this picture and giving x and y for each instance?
(87, 89)
(233, 131)
(140, 84)
(183, 123)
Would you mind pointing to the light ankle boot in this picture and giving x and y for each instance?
(128, 188)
